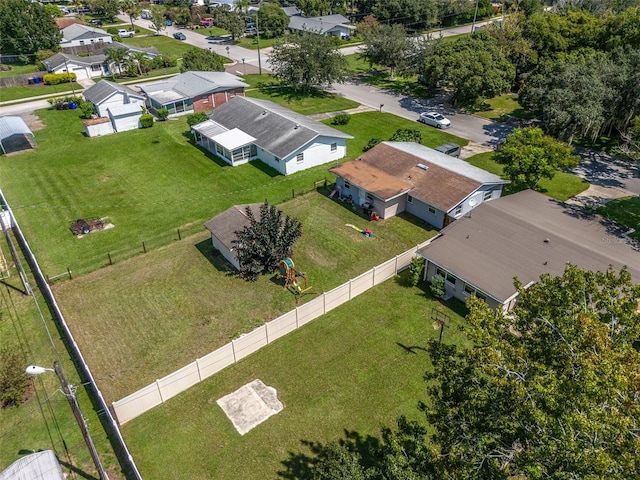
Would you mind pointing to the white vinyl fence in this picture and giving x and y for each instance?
(161, 390)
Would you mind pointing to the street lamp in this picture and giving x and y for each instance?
(258, 37)
(244, 68)
(381, 105)
(227, 48)
(69, 392)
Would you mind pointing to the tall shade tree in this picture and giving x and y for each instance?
(105, 8)
(198, 59)
(26, 27)
(413, 14)
(268, 238)
(475, 67)
(548, 391)
(313, 8)
(131, 8)
(308, 60)
(158, 20)
(529, 156)
(272, 20)
(386, 45)
(116, 56)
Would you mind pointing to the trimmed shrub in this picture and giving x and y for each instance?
(341, 119)
(372, 143)
(58, 78)
(437, 286)
(87, 109)
(415, 270)
(196, 118)
(163, 113)
(146, 120)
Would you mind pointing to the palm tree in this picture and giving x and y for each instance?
(131, 8)
(117, 56)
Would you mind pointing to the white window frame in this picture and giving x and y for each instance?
(300, 157)
(334, 147)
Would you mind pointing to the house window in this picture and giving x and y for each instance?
(488, 194)
(96, 68)
(219, 149)
(481, 295)
(81, 42)
(468, 289)
(205, 99)
(100, 40)
(369, 198)
(347, 185)
(277, 159)
(451, 279)
(432, 210)
(440, 273)
(334, 147)
(409, 199)
(458, 211)
(300, 158)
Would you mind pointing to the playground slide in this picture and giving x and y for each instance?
(333, 194)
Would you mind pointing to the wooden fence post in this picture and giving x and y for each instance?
(110, 261)
(179, 236)
(69, 272)
(144, 247)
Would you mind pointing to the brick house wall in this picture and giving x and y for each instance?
(205, 103)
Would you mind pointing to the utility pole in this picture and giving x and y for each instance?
(258, 36)
(73, 401)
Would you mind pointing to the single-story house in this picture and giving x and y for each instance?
(76, 35)
(106, 94)
(523, 236)
(91, 66)
(224, 226)
(246, 129)
(327, 25)
(97, 127)
(395, 177)
(192, 92)
(15, 135)
(64, 22)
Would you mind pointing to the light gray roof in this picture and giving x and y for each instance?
(58, 60)
(81, 32)
(234, 219)
(525, 235)
(13, 126)
(276, 129)
(104, 89)
(291, 11)
(452, 164)
(36, 466)
(128, 109)
(192, 84)
(318, 24)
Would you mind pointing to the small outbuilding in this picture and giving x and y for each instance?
(15, 135)
(42, 465)
(223, 228)
(97, 127)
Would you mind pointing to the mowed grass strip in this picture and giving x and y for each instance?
(351, 371)
(318, 101)
(625, 211)
(148, 182)
(144, 318)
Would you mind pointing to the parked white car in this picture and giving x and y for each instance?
(126, 33)
(434, 119)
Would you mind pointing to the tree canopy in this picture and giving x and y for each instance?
(267, 239)
(198, 59)
(308, 60)
(272, 20)
(386, 45)
(26, 27)
(528, 156)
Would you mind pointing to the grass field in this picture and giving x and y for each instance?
(349, 372)
(625, 211)
(562, 187)
(307, 104)
(18, 69)
(163, 42)
(27, 91)
(183, 301)
(364, 126)
(506, 104)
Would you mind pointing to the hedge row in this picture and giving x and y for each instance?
(57, 78)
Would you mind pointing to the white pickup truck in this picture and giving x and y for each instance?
(126, 33)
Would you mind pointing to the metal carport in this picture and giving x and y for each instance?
(15, 135)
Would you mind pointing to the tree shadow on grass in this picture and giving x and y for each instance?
(294, 94)
(215, 258)
(264, 168)
(299, 466)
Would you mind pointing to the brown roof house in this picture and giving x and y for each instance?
(224, 226)
(395, 177)
(523, 235)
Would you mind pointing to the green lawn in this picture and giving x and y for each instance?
(356, 64)
(163, 42)
(27, 91)
(183, 301)
(260, 81)
(211, 31)
(364, 126)
(503, 105)
(562, 187)
(18, 69)
(318, 101)
(404, 85)
(625, 211)
(347, 373)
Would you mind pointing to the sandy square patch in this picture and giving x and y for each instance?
(250, 405)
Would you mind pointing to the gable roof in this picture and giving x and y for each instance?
(433, 177)
(104, 89)
(81, 32)
(64, 22)
(318, 24)
(276, 129)
(58, 60)
(192, 84)
(42, 465)
(224, 225)
(525, 235)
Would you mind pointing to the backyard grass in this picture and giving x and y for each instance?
(163, 42)
(356, 64)
(28, 91)
(625, 211)
(367, 125)
(317, 101)
(346, 374)
(183, 301)
(18, 69)
(211, 32)
(562, 187)
(148, 182)
(506, 104)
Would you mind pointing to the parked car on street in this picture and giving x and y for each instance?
(452, 149)
(126, 33)
(179, 36)
(97, 22)
(434, 119)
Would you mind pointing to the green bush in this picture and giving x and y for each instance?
(146, 120)
(415, 270)
(372, 143)
(195, 118)
(163, 113)
(58, 78)
(341, 119)
(437, 286)
(87, 109)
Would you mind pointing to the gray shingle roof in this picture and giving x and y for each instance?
(104, 89)
(525, 235)
(77, 31)
(276, 129)
(224, 225)
(193, 84)
(58, 60)
(318, 24)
